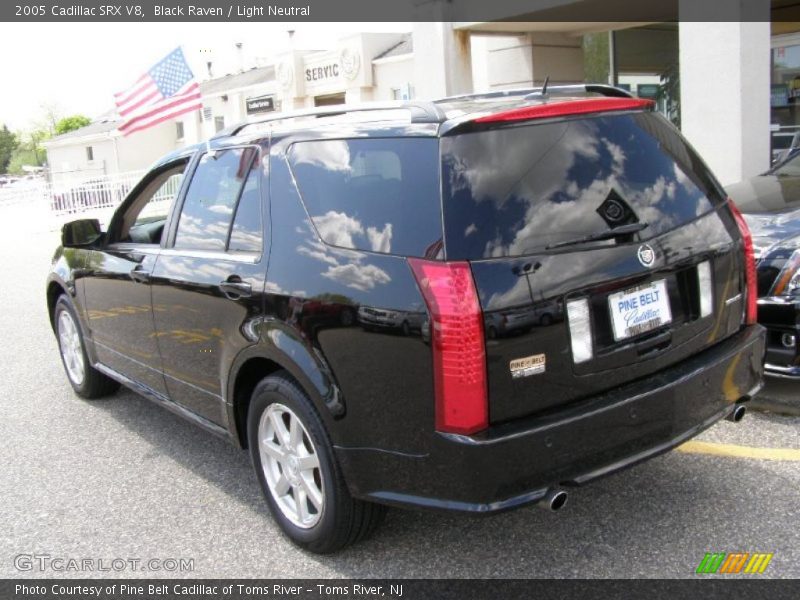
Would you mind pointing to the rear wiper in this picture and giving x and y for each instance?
(614, 232)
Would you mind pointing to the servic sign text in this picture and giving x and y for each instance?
(324, 72)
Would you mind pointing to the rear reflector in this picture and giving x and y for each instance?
(459, 354)
(580, 330)
(751, 293)
(562, 108)
(705, 287)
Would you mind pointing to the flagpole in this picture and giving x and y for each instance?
(208, 138)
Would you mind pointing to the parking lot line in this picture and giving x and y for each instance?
(697, 447)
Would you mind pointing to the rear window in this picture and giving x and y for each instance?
(380, 195)
(519, 190)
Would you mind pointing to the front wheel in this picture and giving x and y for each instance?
(87, 381)
(294, 463)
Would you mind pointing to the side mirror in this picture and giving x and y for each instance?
(80, 233)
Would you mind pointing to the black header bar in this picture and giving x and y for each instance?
(396, 589)
(465, 11)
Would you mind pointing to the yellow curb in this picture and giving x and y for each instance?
(695, 447)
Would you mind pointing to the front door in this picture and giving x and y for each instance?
(117, 284)
(208, 282)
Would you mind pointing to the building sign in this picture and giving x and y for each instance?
(260, 104)
(779, 95)
(648, 90)
(351, 62)
(323, 72)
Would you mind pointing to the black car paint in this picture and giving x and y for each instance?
(366, 383)
(771, 205)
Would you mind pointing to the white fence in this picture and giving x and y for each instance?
(51, 204)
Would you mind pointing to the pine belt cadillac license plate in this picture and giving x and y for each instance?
(639, 309)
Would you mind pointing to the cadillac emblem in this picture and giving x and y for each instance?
(646, 254)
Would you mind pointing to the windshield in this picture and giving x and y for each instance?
(519, 190)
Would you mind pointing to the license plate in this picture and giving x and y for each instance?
(639, 309)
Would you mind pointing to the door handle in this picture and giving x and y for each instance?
(234, 288)
(139, 275)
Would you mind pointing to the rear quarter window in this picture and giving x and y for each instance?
(379, 195)
(519, 190)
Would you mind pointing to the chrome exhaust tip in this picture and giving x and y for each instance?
(737, 414)
(554, 500)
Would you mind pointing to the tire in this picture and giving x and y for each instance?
(405, 329)
(88, 382)
(339, 520)
(546, 320)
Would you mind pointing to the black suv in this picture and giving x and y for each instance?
(468, 304)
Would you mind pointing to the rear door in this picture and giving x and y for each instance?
(208, 282)
(566, 317)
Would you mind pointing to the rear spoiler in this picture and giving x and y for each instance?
(598, 89)
(543, 108)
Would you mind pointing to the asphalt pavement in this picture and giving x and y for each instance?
(121, 478)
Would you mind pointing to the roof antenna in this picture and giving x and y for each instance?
(544, 85)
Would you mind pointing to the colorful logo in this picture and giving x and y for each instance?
(734, 562)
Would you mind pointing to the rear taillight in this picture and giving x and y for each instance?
(459, 354)
(751, 294)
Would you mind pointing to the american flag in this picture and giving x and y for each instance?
(164, 92)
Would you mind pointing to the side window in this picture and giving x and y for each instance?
(143, 222)
(211, 199)
(379, 195)
(247, 231)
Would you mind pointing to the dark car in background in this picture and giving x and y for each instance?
(770, 203)
(264, 301)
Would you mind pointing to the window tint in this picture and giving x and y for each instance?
(518, 190)
(211, 199)
(372, 194)
(246, 234)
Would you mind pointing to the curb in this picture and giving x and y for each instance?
(772, 405)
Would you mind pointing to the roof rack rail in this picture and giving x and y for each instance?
(552, 90)
(421, 112)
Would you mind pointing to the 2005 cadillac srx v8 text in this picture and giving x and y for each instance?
(470, 304)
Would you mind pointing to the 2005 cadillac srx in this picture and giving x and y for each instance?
(470, 304)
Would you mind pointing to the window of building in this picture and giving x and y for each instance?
(785, 95)
(211, 199)
(219, 123)
(179, 130)
(89, 153)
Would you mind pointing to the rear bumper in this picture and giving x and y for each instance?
(780, 316)
(516, 463)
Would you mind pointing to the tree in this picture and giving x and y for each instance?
(28, 151)
(8, 143)
(72, 123)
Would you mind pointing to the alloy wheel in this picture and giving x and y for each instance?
(69, 341)
(291, 466)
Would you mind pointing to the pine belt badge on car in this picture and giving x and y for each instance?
(529, 365)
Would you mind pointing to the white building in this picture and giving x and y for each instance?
(99, 149)
(361, 67)
(736, 83)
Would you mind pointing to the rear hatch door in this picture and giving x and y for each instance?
(572, 308)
